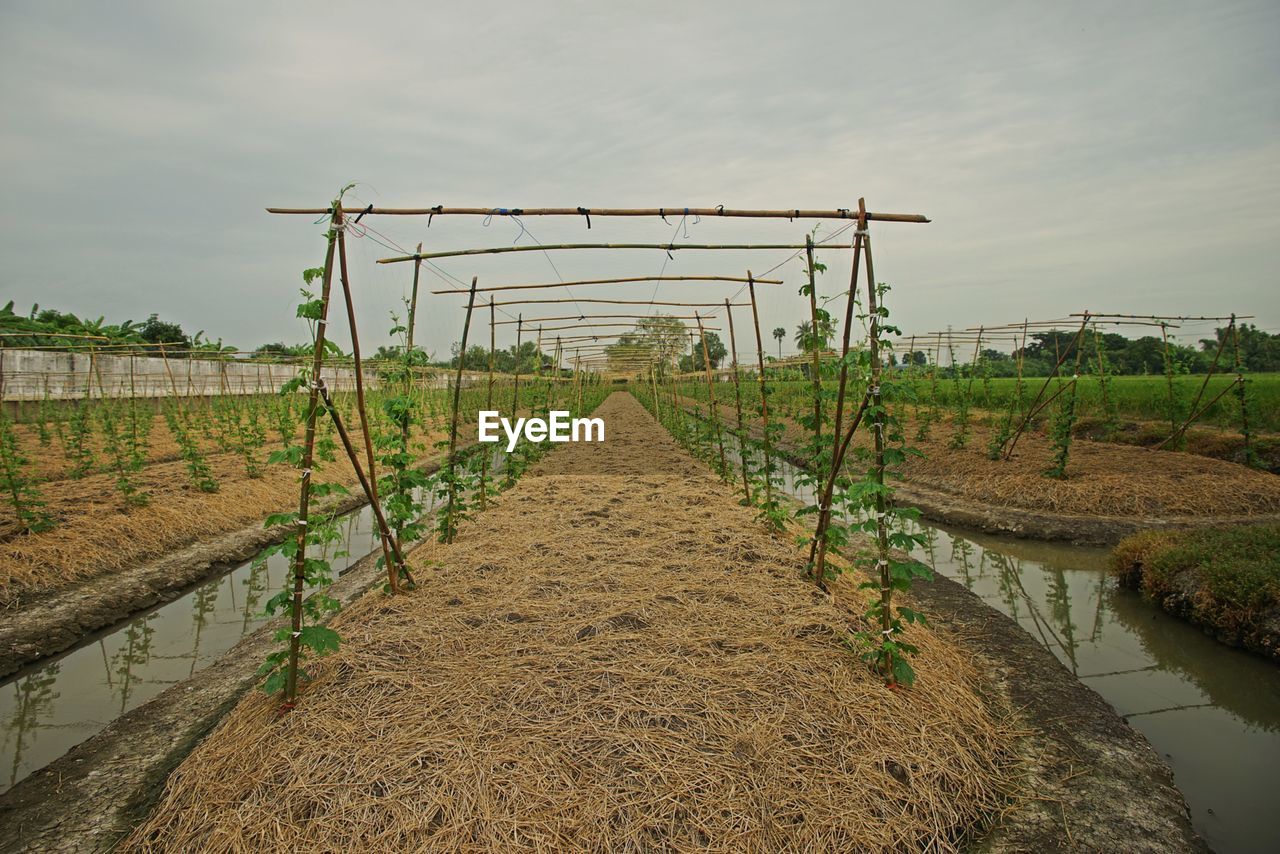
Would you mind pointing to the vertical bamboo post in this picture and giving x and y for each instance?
(554, 377)
(764, 398)
(711, 396)
(515, 388)
(653, 377)
(737, 401)
(1242, 392)
(386, 537)
(818, 548)
(817, 371)
(484, 455)
(408, 345)
(537, 368)
(453, 424)
(308, 456)
(413, 301)
(577, 373)
(878, 422)
(1168, 374)
(169, 371)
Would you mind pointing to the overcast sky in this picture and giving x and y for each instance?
(1072, 156)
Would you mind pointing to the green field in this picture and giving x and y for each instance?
(1137, 398)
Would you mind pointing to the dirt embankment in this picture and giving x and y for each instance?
(1225, 580)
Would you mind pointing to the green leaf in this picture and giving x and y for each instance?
(320, 639)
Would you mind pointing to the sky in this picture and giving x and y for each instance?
(1089, 156)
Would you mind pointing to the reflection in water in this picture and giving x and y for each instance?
(128, 665)
(122, 667)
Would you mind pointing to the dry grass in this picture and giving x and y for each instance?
(615, 657)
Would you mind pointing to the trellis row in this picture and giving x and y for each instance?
(336, 213)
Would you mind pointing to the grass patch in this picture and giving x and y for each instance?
(1228, 578)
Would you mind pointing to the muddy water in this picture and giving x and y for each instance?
(1212, 712)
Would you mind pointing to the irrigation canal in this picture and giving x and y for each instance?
(1211, 711)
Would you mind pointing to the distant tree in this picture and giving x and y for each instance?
(807, 342)
(1259, 350)
(157, 331)
(715, 350)
(780, 333)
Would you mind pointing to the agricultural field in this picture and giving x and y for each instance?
(733, 583)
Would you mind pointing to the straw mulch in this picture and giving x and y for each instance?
(616, 656)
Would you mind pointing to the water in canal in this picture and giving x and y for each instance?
(1212, 712)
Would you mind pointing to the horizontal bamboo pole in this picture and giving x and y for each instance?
(529, 320)
(586, 326)
(666, 247)
(616, 302)
(1158, 317)
(440, 210)
(738, 279)
(607, 335)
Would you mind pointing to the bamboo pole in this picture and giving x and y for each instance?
(615, 302)
(515, 386)
(817, 370)
(408, 379)
(879, 420)
(547, 247)
(1168, 375)
(453, 425)
(653, 377)
(308, 457)
(537, 355)
(818, 547)
(737, 401)
(586, 317)
(354, 458)
(384, 534)
(484, 454)
(413, 304)
(718, 211)
(764, 397)
(1242, 392)
(577, 409)
(711, 396)
(630, 280)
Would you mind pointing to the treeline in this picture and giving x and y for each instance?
(52, 328)
(1259, 352)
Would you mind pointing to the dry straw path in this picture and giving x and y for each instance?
(616, 656)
